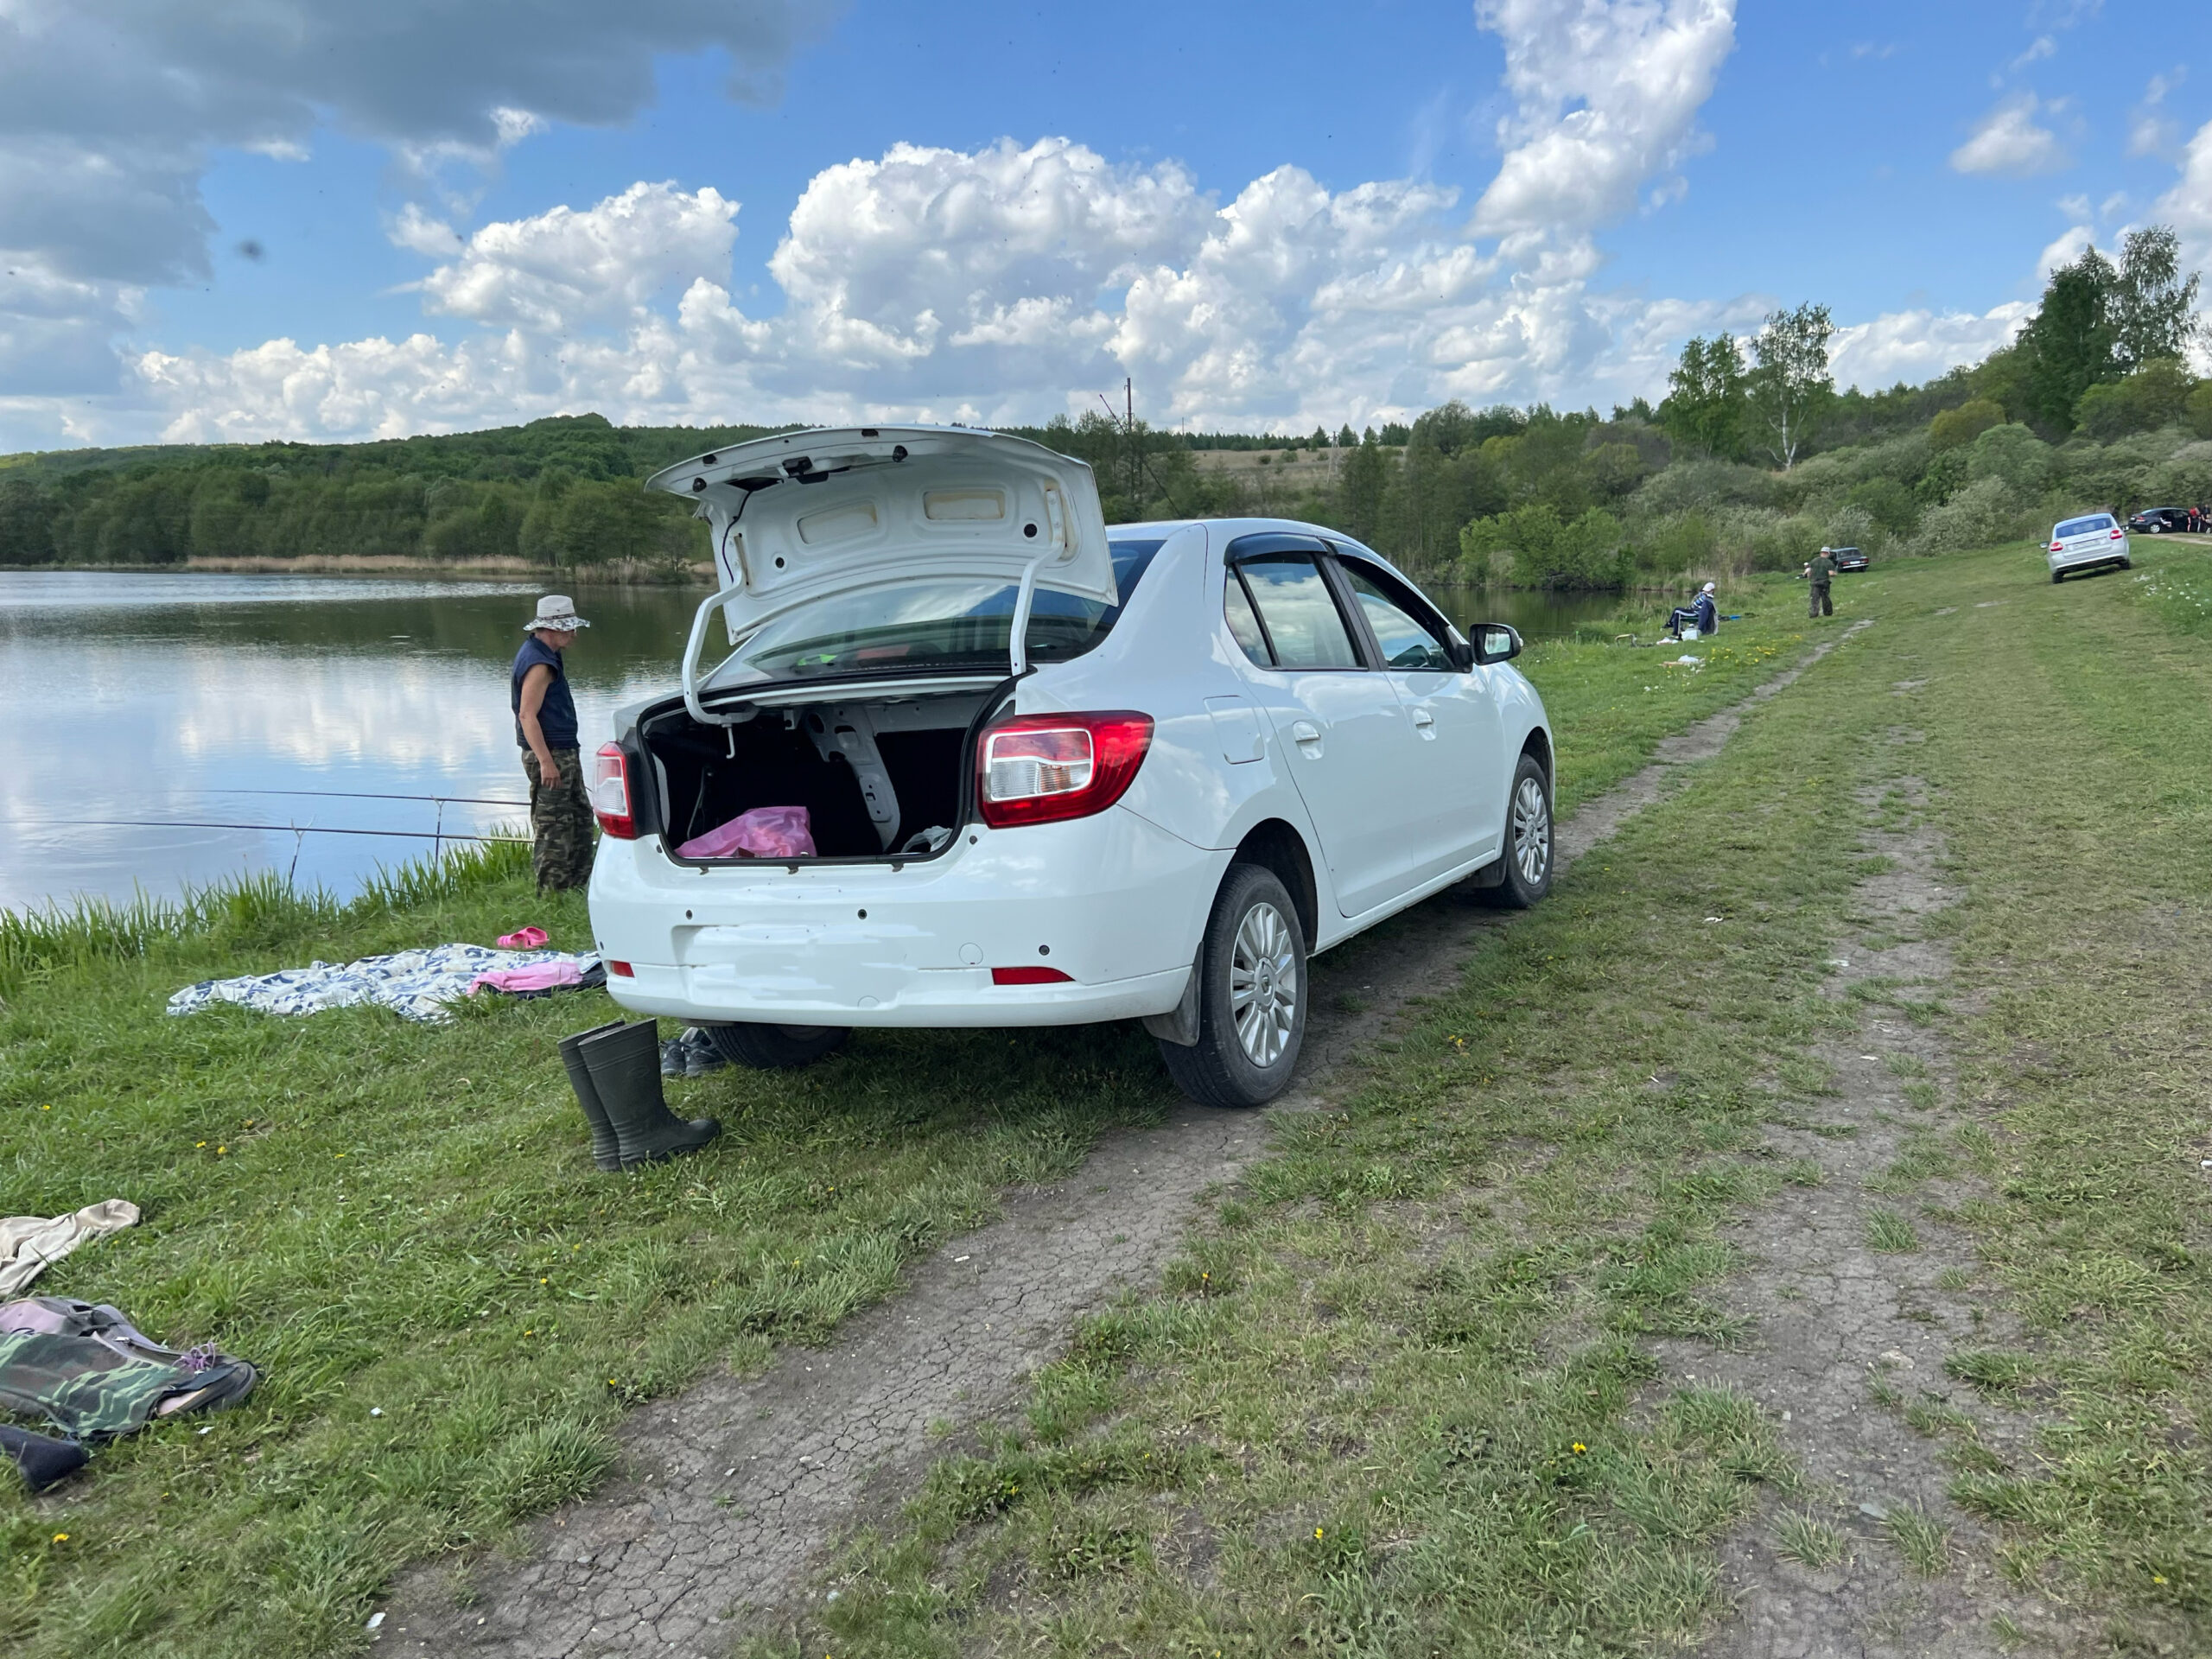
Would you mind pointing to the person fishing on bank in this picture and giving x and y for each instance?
(1703, 613)
(1819, 571)
(545, 731)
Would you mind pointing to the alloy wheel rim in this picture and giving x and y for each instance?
(1532, 831)
(1263, 984)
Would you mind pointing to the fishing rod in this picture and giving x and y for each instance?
(357, 795)
(274, 828)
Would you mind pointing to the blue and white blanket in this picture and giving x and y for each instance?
(415, 983)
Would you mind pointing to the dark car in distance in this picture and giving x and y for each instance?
(2157, 521)
(1848, 558)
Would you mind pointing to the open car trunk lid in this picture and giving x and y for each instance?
(806, 515)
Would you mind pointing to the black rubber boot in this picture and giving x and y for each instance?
(625, 1067)
(606, 1151)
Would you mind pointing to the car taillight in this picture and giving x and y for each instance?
(1029, 977)
(1042, 768)
(2117, 533)
(2058, 547)
(610, 792)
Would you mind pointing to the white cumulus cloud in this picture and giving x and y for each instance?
(2149, 131)
(1007, 283)
(1918, 345)
(2008, 141)
(564, 268)
(2187, 207)
(1608, 98)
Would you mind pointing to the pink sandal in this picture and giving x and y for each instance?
(523, 938)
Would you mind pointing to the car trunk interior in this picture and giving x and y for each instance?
(876, 777)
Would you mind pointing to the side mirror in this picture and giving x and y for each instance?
(1462, 653)
(1496, 642)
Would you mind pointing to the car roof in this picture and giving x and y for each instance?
(1231, 529)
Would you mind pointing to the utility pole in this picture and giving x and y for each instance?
(1129, 433)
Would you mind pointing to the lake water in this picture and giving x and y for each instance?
(173, 730)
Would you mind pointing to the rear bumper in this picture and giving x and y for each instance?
(1114, 902)
(2088, 558)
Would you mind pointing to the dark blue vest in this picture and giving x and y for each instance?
(556, 716)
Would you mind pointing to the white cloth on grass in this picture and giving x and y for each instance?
(27, 1243)
(416, 983)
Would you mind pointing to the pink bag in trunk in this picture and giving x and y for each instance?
(764, 832)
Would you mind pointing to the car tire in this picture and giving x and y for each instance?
(1529, 855)
(1254, 941)
(777, 1048)
(2057, 576)
(2154, 530)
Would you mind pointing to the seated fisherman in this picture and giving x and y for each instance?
(1703, 613)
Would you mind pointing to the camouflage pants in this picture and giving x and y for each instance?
(560, 823)
(1818, 602)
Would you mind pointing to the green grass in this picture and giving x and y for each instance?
(1925, 1543)
(403, 1219)
(1810, 1541)
(1376, 1447)
(1889, 1231)
(1380, 1448)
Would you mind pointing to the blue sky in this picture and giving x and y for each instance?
(1273, 215)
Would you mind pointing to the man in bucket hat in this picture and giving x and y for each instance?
(545, 731)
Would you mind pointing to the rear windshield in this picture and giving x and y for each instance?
(930, 623)
(2081, 526)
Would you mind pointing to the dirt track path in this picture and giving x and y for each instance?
(1852, 1325)
(728, 1491)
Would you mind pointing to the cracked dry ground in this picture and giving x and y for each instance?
(728, 1491)
(1855, 1294)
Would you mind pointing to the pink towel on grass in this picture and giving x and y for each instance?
(764, 832)
(538, 976)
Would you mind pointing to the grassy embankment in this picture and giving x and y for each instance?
(1396, 1399)
(403, 1221)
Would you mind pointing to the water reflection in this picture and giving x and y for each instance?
(170, 697)
(177, 698)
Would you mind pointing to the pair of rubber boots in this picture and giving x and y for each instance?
(615, 1070)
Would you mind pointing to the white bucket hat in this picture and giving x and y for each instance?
(556, 612)
(1708, 588)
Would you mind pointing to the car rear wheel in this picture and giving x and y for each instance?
(1252, 995)
(777, 1048)
(2057, 576)
(1529, 855)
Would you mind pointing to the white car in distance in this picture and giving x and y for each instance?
(1055, 774)
(2093, 542)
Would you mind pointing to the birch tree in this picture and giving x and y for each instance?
(1791, 388)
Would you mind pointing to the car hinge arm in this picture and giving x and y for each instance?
(1018, 641)
(706, 608)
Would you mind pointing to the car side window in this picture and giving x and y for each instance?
(1298, 612)
(1244, 622)
(1408, 641)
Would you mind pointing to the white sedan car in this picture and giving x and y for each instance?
(2093, 542)
(1053, 772)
